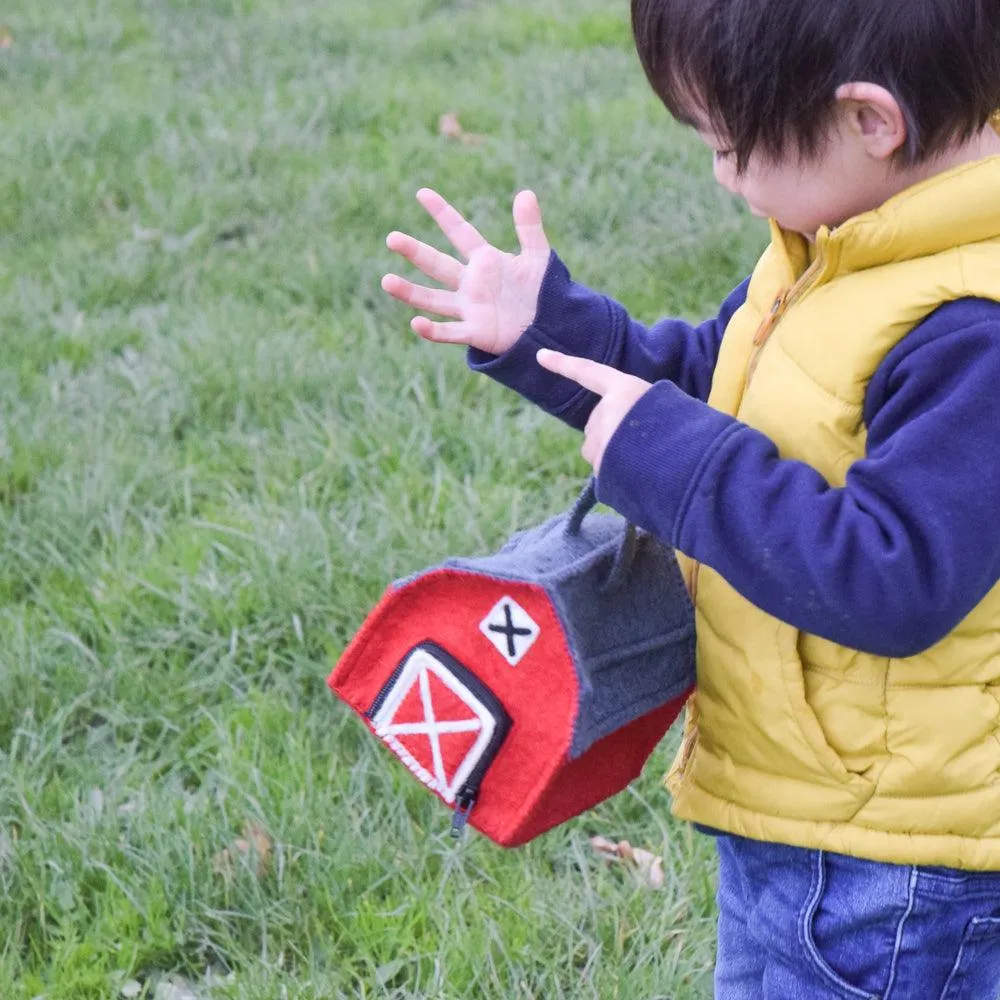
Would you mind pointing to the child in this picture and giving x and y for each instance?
(826, 454)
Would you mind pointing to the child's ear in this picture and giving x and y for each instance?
(873, 116)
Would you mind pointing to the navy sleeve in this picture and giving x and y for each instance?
(889, 563)
(575, 320)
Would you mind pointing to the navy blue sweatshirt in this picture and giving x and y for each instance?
(891, 562)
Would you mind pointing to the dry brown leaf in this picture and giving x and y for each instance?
(451, 128)
(646, 866)
(255, 846)
(606, 849)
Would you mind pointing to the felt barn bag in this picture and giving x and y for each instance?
(526, 686)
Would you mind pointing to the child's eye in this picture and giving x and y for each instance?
(724, 154)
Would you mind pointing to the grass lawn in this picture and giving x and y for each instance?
(219, 442)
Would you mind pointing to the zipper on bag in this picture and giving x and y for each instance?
(468, 794)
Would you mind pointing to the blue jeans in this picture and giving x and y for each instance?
(809, 925)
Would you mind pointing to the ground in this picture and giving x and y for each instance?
(219, 442)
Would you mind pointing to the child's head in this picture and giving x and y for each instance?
(820, 109)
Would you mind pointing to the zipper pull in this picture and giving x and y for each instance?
(777, 308)
(463, 806)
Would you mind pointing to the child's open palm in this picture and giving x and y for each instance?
(493, 296)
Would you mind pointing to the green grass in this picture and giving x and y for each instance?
(219, 442)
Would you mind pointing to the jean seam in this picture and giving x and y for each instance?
(817, 961)
(967, 938)
(910, 901)
(955, 968)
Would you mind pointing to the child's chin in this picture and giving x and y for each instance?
(805, 227)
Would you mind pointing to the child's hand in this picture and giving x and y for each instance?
(493, 296)
(619, 393)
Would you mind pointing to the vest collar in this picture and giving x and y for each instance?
(954, 208)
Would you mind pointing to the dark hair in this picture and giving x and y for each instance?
(763, 73)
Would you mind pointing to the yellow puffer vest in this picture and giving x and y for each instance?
(791, 738)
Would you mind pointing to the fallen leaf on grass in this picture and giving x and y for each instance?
(255, 846)
(647, 867)
(451, 128)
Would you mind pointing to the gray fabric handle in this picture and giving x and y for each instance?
(585, 503)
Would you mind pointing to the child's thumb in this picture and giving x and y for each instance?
(528, 223)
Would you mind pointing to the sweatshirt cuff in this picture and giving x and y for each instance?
(658, 456)
(569, 319)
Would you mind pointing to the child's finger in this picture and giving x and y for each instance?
(528, 223)
(590, 374)
(433, 300)
(435, 264)
(463, 235)
(440, 333)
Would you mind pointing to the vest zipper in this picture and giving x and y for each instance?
(778, 309)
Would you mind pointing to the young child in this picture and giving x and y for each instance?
(826, 454)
